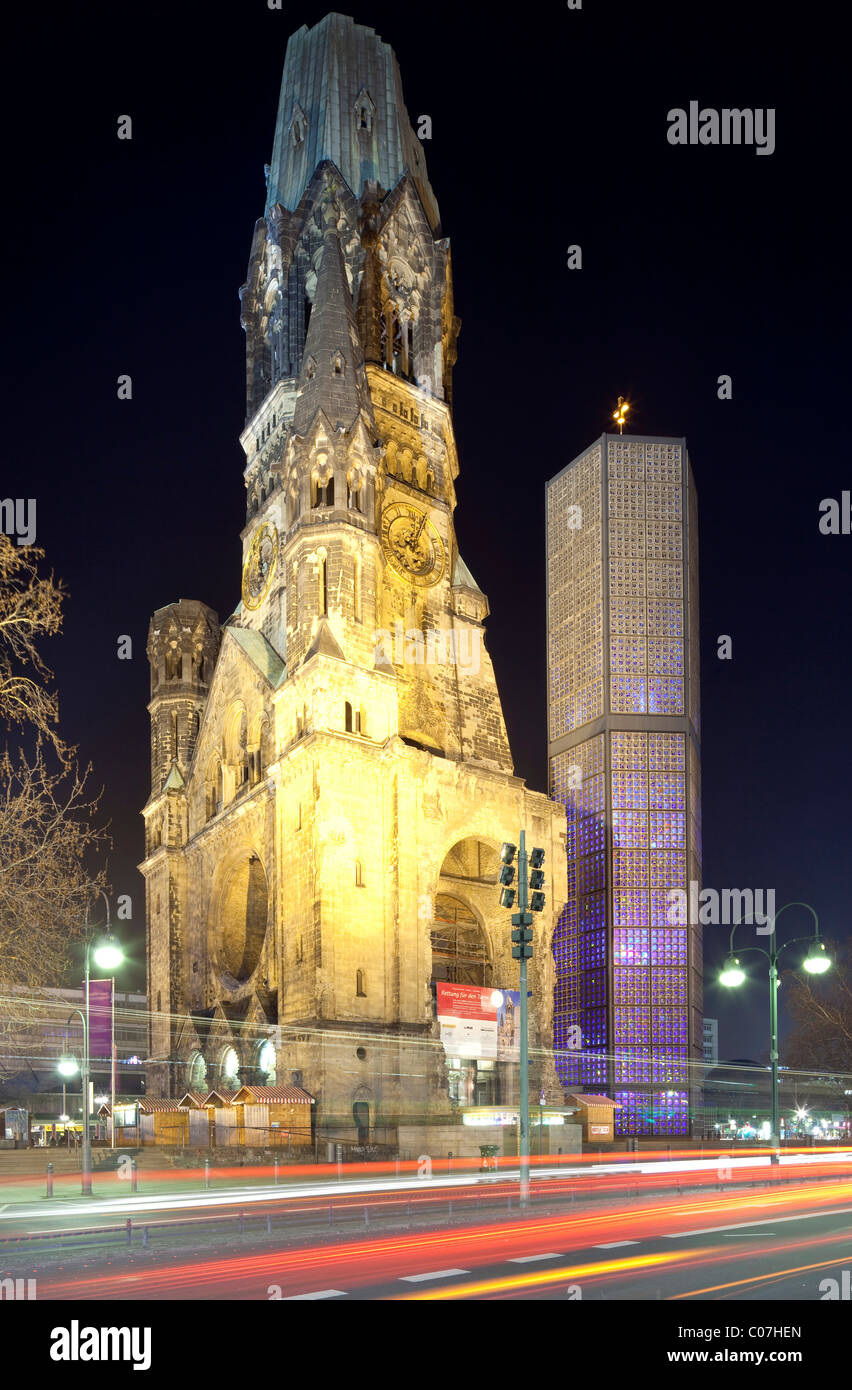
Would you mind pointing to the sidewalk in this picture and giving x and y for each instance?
(23, 1175)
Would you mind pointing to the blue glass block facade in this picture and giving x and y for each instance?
(625, 762)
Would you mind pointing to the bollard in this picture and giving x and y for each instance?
(134, 1176)
(207, 1172)
(269, 1225)
(129, 1229)
(275, 1169)
(50, 1179)
(145, 1237)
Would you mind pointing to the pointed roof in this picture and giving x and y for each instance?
(258, 650)
(462, 577)
(324, 643)
(174, 781)
(328, 71)
(218, 1098)
(383, 662)
(273, 1095)
(332, 378)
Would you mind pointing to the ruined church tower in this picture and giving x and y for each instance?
(332, 766)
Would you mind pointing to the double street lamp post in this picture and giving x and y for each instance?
(108, 955)
(816, 962)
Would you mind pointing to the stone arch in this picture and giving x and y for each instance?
(363, 1112)
(213, 788)
(473, 858)
(236, 731)
(174, 661)
(196, 1071)
(237, 743)
(266, 1062)
(259, 747)
(461, 944)
(239, 917)
(229, 1067)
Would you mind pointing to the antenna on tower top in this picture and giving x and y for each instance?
(619, 415)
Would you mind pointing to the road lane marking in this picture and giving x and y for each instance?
(614, 1244)
(435, 1274)
(323, 1293)
(746, 1225)
(528, 1259)
(531, 1279)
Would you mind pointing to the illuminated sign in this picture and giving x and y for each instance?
(486, 1119)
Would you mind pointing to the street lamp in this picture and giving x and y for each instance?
(816, 962)
(733, 973)
(108, 956)
(68, 1066)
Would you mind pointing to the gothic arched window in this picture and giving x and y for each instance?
(174, 662)
(323, 586)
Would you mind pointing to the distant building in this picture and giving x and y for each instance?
(42, 1028)
(711, 1041)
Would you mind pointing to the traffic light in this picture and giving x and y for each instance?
(507, 875)
(522, 947)
(536, 880)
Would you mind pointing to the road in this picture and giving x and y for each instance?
(458, 1238)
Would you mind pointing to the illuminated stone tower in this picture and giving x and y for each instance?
(351, 781)
(624, 751)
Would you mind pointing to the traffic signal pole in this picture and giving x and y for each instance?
(525, 920)
(530, 899)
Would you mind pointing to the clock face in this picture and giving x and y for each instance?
(259, 568)
(412, 546)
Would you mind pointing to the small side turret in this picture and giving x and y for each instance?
(183, 643)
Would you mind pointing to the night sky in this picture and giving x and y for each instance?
(549, 129)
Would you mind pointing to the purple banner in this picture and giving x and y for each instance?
(100, 1018)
